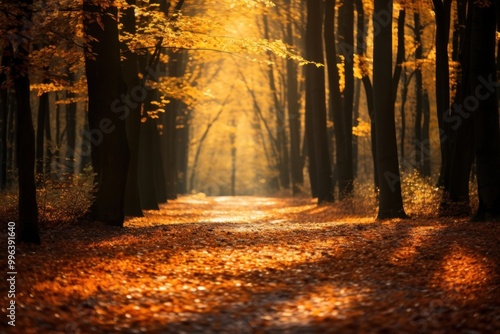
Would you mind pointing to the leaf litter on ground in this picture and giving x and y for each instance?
(259, 265)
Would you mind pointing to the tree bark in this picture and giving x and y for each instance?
(390, 199)
(293, 103)
(455, 200)
(319, 161)
(346, 46)
(4, 116)
(485, 117)
(130, 69)
(442, 11)
(110, 152)
(27, 230)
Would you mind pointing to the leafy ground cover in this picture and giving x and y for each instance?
(259, 265)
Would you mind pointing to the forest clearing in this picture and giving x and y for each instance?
(260, 265)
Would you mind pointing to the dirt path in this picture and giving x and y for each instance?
(259, 265)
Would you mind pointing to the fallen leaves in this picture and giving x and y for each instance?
(260, 265)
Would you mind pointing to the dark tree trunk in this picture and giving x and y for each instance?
(70, 132)
(293, 102)
(147, 180)
(485, 117)
(183, 127)
(27, 230)
(367, 84)
(402, 113)
(43, 111)
(48, 142)
(336, 111)
(171, 163)
(346, 46)
(418, 143)
(390, 199)
(158, 168)
(85, 157)
(110, 151)
(130, 69)
(355, 120)
(400, 55)
(319, 161)
(455, 200)
(426, 139)
(4, 116)
(442, 11)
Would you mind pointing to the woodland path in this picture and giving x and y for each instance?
(259, 265)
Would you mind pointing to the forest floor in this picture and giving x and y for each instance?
(259, 265)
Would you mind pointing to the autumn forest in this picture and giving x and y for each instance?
(250, 166)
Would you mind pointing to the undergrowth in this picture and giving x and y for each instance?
(421, 197)
(62, 198)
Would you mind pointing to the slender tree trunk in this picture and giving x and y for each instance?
(390, 200)
(355, 120)
(346, 46)
(319, 160)
(48, 142)
(232, 142)
(147, 180)
(183, 129)
(110, 151)
(293, 102)
(70, 129)
(418, 143)
(27, 228)
(367, 84)
(402, 112)
(336, 111)
(400, 55)
(442, 11)
(426, 139)
(43, 110)
(4, 116)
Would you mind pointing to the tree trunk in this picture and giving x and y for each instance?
(400, 55)
(293, 102)
(27, 230)
(183, 127)
(455, 200)
(4, 116)
(130, 70)
(319, 160)
(346, 46)
(485, 117)
(110, 151)
(70, 129)
(390, 200)
(442, 11)
(367, 84)
(418, 143)
(43, 110)
(336, 112)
